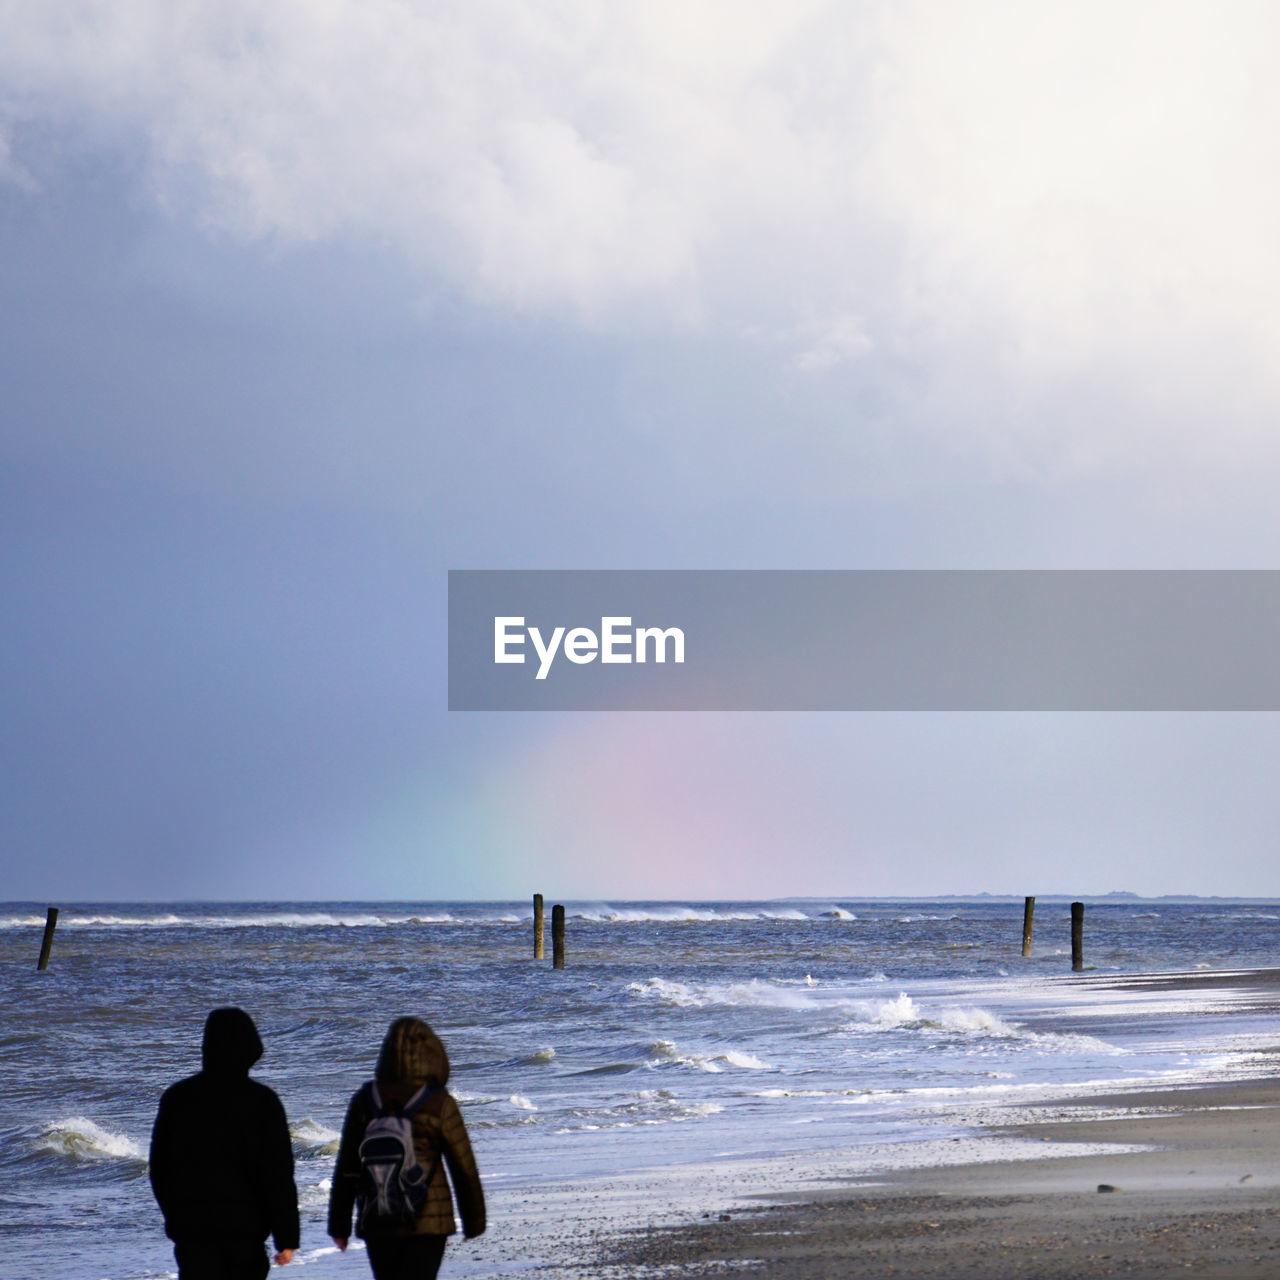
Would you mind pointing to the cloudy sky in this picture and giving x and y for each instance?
(304, 303)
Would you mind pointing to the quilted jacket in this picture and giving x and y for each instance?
(412, 1055)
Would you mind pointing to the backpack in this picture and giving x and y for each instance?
(393, 1184)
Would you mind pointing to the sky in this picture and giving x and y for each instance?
(304, 304)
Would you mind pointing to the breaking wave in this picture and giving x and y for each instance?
(310, 1138)
(79, 1138)
(601, 913)
(903, 1012)
(665, 1053)
(314, 1195)
(465, 1099)
(271, 920)
(776, 995)
(646, 1107)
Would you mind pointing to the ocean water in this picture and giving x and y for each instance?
(678, 1034)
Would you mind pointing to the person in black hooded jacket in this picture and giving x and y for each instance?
(221, 1161)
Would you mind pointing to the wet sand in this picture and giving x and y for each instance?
(1191, 1178)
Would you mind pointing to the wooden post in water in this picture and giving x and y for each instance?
(1028, 919)
(1077, 936)
(557, 936)
(50, 924)
(537, 926)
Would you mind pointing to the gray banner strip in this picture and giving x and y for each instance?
(864, 640)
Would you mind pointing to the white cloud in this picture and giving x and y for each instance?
(841, 338)
(565, 157)
(1021, 197)
(568, 156)
(1097, 184)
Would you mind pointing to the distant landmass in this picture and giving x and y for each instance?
(1115, 895)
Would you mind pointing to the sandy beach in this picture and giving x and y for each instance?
(1203, 1202)
(1174, 1181)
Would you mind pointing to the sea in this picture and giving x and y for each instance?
(679, 1035)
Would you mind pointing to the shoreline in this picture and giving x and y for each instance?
(1148, 1182)
(1193, 1172)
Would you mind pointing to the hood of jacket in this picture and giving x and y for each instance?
(412, 1054)
(231, 1042)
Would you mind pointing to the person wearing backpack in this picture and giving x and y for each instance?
(221, 1161)
(402, 1131)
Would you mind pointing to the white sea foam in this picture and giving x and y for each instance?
(809, 1093)
(646, 1107)
(748, 1061)
(903, 1012)
(648, 915)
(322, 920)
(666, 1053)
(1241, 915)
(310, 1138)
(746, 994)
(67, 921)
(602, 913)
(82, 1139)
(520, 1101)
(268, 920)
(314, 1195)
(696, 1110)
(676, 993)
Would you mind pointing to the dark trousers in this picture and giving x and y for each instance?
(406, 1257)
(222, 1260)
